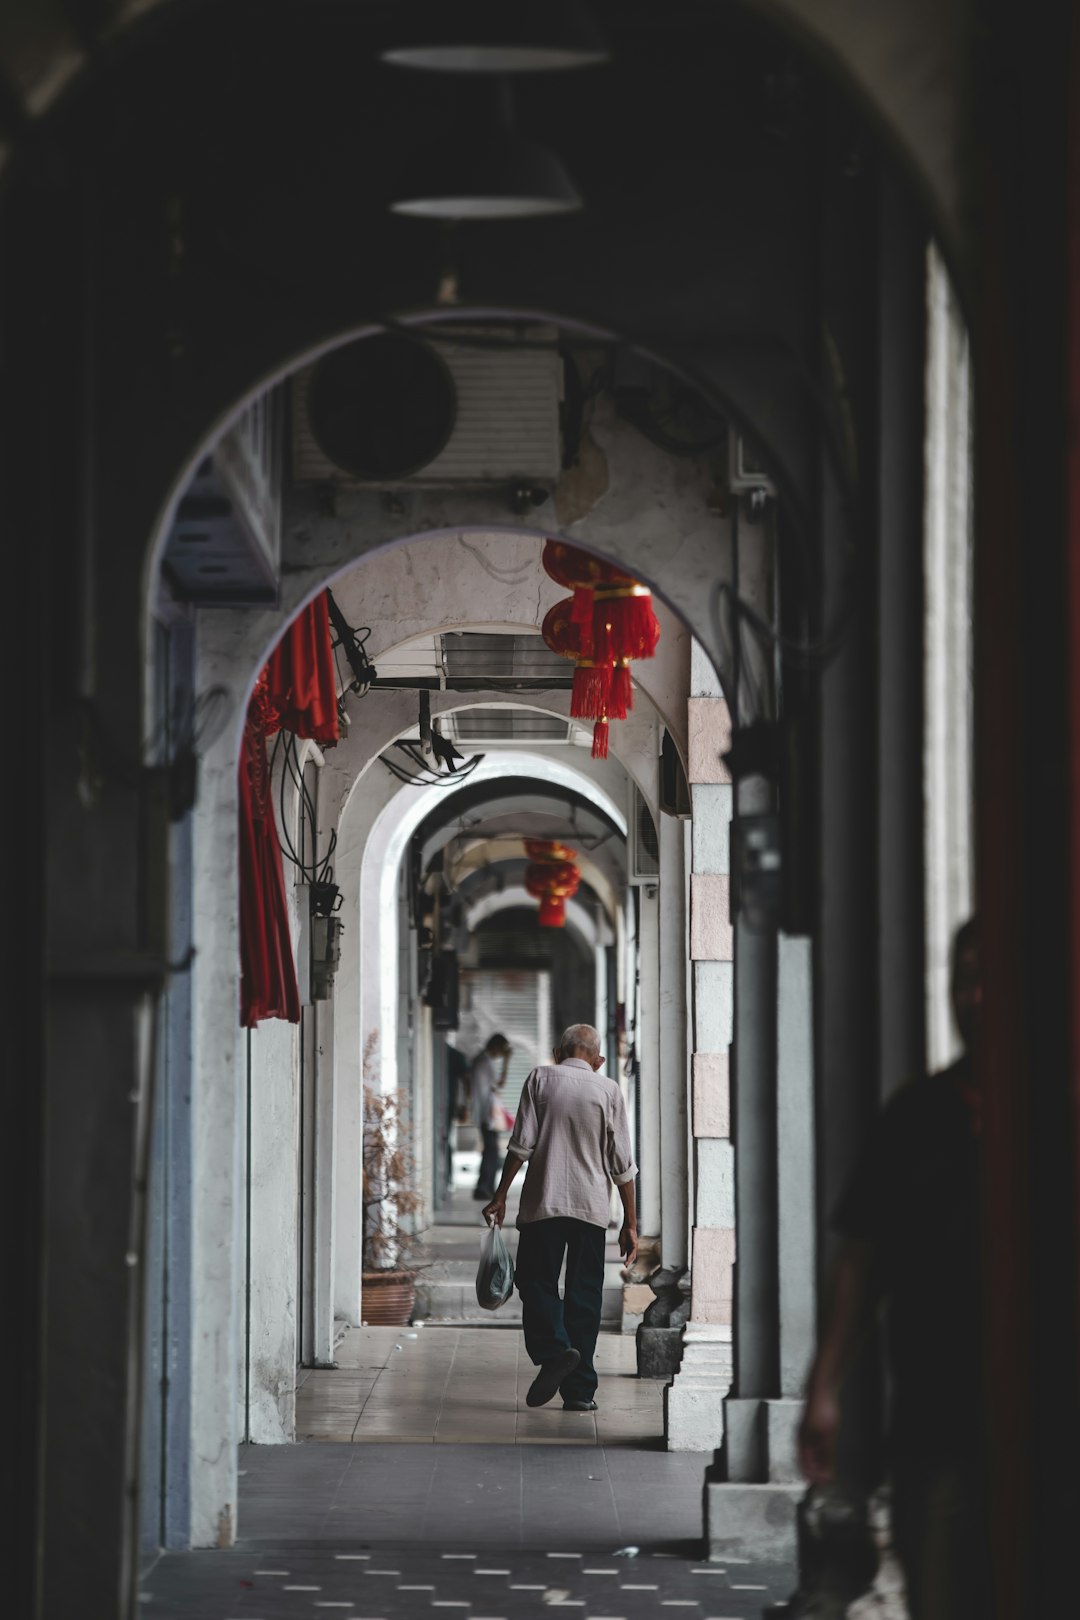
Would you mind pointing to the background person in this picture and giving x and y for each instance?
(910, 1220)
(485, 1088)
(571, 1130)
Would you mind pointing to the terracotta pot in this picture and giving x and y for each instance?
(387, 1297)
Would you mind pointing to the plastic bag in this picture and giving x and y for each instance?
(495, 1273)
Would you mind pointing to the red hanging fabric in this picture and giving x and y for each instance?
(297, 691)
(301, 678)
(268, 987)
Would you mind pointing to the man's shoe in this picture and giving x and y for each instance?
(579, 1406)
(552, 1373)
(487, 1197)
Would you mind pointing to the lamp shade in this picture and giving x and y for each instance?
(526, 36)
(502, 177)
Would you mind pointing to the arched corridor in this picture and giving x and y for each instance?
(378, 380)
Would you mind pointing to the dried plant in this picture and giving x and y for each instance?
(389, 1175)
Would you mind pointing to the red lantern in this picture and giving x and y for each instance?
(582, 574)
(551, 877)
(614, 612)
(590, 697)
(624, 624)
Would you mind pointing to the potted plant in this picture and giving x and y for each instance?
(391, 1252)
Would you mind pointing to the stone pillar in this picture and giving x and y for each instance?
(694, 1413)
(270, 1350)
(217, 1107)
(349, 1036)
(795, 1211)
(322, 1015)
(649, 1059)
(674, 1176)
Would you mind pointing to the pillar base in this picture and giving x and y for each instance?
(694, 1402)
(760, 1441)
(754, 1522)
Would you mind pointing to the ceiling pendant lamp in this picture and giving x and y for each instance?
(484, 170)
(492, 36)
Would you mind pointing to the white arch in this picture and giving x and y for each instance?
(489, 905)
(374, 832)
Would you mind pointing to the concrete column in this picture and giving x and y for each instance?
(649, 1060)
(674, 1169)
(322, 1015)
(349, 1035)
(270, 1348)
(694, 1403)
(217, 1121)
(908, 444)
(947, 776)
(796, 1223)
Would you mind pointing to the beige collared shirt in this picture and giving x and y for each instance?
(572, 1130)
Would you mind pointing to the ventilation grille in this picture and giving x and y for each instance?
(468, 656)
(506, 725)
(507, 425)
(643, 850)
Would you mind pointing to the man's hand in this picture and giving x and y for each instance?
(495, 1212)
(817, 1436)
(628, 1243)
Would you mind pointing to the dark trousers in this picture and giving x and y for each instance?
(551, 1324)
(490, 1162)
(939, 1537)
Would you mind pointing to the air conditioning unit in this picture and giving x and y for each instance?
(745, 471)
(411, 409)
(642, 843)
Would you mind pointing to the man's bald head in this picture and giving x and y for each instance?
(580, 1040)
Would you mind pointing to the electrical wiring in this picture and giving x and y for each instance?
(812, 654)
(319, 870)
(426, 776)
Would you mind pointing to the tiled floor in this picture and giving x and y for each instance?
(483, 1582)
(494, 1532)
(461, 1498)
(454, 1385)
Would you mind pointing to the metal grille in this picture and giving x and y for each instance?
(644, 850)
(469, 656)
(505, 725)
(513, 1003)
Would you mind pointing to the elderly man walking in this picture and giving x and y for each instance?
(572, 1133)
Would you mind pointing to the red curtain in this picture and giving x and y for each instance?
(301, 678)
(297, 691)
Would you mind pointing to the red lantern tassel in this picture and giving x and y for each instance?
(589, 695)
(600, 740)
(622, 691)
(624, 624)
(581, 614)
(552, 911)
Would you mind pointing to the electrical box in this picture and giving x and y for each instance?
(318, 950)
